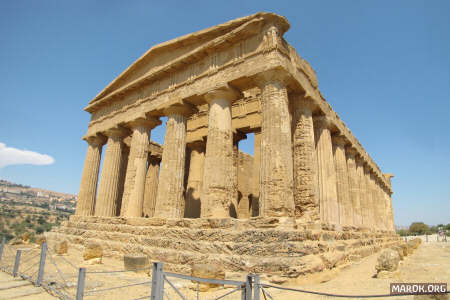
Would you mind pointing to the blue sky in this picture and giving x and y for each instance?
(384, 66)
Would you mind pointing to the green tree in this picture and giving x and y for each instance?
(418, 228)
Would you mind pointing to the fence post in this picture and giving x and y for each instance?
(42, 264)
(2, 247)
(256, 288)
(426, 236)
(246, 293)
(17, 262)
(80, 284)
(157, 281)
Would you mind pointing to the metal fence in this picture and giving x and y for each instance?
(43, 268)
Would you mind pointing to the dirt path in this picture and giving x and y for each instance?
(429, 263)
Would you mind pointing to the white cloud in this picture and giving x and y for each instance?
(12, 156)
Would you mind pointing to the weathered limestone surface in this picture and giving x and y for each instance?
(369, 198)
(342, 178)
(133, 196)
(122, 176)
(170, 199)
(108, 192)
(253, 245)
(245, 185)
(374, 207)
(237, 137)
(217, 195)
(276, 177)
(354, 188)
(305, 162)
(88, 186)
(329, 208)
(195, 180)
(256, 173)
(151, 186)
(365, 217)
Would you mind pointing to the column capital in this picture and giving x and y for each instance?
(222, 92)
(303, 103)
(351, 152)
(95, 140)
(359, 160)
(182, 109)
(117, 131)
(322, 122)
(279, 76)
(148, 123)
(388, 176)
(339, 140)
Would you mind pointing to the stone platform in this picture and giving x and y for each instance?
(259, 245)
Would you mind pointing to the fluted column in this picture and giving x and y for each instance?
(256, 171)
(133, 196)
(391, 212)
(388, 212)
(242, 205)
(329, 209)
(151, 185)
(276, 173)
(374, 203)
(342, 184)
(170, 198)
(123, 174)
(363, 199)
(109, 189)
(388, 194)
(382, 220)
(217, 194)
(354, 187)
(195, 180)
(89, 178)
(369, 198)
(306, 190)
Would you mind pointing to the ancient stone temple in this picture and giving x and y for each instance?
(309, 198)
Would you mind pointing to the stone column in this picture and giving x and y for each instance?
(375, 203)
(276, 173)
(217, 194)
(391, 212)
(170, 198)
(133, 198)
(151, 186)
(369, 198)
(329, 209)
(256, 168)
(109, 189)
(89, 178)
(354, 187)
(363, 200)
(382, 217)
(305, 161)
(242, 205)
(195, 180)
(342, 184)
(123, 174)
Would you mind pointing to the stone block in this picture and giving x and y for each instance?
(61, 247)
(92, 250)
(136, 262)
(388, 260)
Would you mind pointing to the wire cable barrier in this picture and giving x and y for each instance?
(62, 278)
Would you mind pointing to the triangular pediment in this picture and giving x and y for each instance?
(162, 54)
